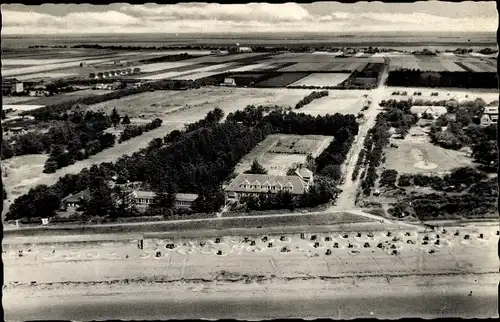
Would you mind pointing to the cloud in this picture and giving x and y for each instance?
(231, 12)
(257, 17)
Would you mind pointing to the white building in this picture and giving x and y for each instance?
(490, 116)
(244, 49)
(256, 184)
(434, 111)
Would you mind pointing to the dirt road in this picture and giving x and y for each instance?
(349, 187)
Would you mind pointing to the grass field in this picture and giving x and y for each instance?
(338, 101)
(488, 95)
(278, 163)
(61, 98)
(417, 155)
(322, 79)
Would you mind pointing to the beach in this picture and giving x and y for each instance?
(411, 272)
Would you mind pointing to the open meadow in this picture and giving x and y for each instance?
(338, 101)
(420, 156)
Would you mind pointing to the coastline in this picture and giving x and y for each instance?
(345, 298)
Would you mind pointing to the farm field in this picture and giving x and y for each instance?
(63, 98)
(417, 155)
(282, 80)
(321, 58)
(251, 67)
(22, 107)
(442, 63)
(146, 68)
(226, 58)
(171, 74)
(50, 67)
(279, 163)
(195, 76)
(338, 101)
(322, 79)
(488, 95)
(49, 74)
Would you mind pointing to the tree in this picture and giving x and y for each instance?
(332, 171)
(101, 202)
(50, 166)
(115, 117)
(256, 168)
(126, 119)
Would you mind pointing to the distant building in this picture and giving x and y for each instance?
(18, 130)
(12, 85)
(228, 81)
(434, 111)
(244, 49)
(245, 185)
(490, 116)
(136, 70)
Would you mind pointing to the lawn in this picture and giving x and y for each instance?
(417, 155)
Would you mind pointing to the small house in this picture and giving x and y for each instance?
(432, 111)
(73, 202)
(18, 130)
(12, 85)
(228, 81)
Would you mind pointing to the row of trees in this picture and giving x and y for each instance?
(167, 58)
(418, 78)
(131, 131)
(311, 97)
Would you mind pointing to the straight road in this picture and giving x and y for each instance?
(349, 187)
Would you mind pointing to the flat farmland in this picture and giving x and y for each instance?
(282, 80)
(218, 68)
(338, 101)
(196, 76)
(251, 67)
(146, 68)
(63, 98)
(51, 67)
(443, 93)
(49, 74)
(322, 79)
(279, 163)
(225, 58)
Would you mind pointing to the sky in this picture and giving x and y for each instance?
(426, 16)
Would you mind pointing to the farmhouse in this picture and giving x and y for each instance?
(256, 184)
(18, 130)
(434, 111)
(490, 116)
(12, 85)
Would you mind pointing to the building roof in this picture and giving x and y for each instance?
(491, 110)
(178, 197)
(85, 195)
(304, 173)
(429, 109)
(261, 182)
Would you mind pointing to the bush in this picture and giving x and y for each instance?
(405, 180)
(388, 178)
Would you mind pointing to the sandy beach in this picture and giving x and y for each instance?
(277, 265)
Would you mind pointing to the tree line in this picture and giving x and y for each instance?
(132, 131)
(418, 78)
(311, 97)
